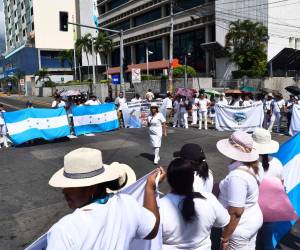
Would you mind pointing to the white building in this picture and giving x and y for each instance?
(33, 38)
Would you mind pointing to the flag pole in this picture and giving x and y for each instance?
(74, 51)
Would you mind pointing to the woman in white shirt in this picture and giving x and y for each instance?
(277, 107)
(187, 216)
(239, 192)
(272, 169)
(203, 177)
(101, 220)
(157, 125)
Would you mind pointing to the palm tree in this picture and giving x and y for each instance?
(103, 46)
(67, 56)
(42, 75)
(85, 44)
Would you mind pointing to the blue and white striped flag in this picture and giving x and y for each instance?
(289, 155)
(28, 124)
(95, 119)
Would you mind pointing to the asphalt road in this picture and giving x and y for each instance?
(29, 206)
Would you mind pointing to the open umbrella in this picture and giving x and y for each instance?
(249, 89)
(233, 91)
(212, 92)
(185, 92)
(295, 90)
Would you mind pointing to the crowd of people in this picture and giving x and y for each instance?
(107, 219)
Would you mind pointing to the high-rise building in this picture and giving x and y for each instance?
(33, 38)
(200, 27)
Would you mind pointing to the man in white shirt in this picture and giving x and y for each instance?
(93, 101)
(149, 95)
(267, 110)
(167, 102)
(120, 102)
(204, 104)
(247, 102)
(58, 102)
(277, 106)
(195, 109)
(137, 98)
(222, 100)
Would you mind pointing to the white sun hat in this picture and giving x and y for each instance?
(84, 167)
(238, 147)
(263, 143)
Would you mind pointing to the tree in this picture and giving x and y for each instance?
(180, 71)
(103, 46)
(42, 75)
(246, 45)
(67, 56)
(85, 44)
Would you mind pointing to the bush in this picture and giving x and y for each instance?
(107, 81)
(49, 84)
(180, 71)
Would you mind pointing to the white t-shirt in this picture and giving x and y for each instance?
(201, 185)
(167, 102)
(247, 103)
(120, 102)
(267, 105)
(58, 105)
(1, 117)
(223, 102)
(240, 189)
(275, 169)
(107, 226)
(92, 103)
(178, 234)
(196, 103)
(203, 104)
(278, 105)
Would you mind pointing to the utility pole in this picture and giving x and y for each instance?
(94, 67)
(171, 83)
(122, 63)
(74, 54)
(185, 69)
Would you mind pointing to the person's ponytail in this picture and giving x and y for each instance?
(188, 207)
(201, 169)
(265, 162)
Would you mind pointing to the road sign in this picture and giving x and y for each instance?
(136, 75)
(116, 79)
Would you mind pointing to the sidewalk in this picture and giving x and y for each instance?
(40, 101)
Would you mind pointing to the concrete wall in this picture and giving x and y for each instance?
(45, 92)
(280, 83)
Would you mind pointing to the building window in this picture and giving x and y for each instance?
(9, 32)
(16, 26)
(23, 19)
(8, 8)
(190, 42)
(17, 38)
(121, 26)
(24, 32)
(155, 46)
(10, 43)
(31, 11)
(15, 2)
(15, 13)
(32, 26)
(147, 17)
(115, 58)
(185, 5)
(9, 20)
(22, 6)
(115, 3)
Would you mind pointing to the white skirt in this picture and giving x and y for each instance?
(155, 140)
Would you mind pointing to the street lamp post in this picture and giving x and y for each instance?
(94, 66)
(148, 52)
(171, 85)
(185, 68)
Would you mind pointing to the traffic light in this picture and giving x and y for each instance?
(63, 21)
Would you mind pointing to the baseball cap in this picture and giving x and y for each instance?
(190, 151)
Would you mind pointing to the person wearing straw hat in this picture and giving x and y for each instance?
(157, 126)
(265, 146)
(239, 192)
(273, 168)
(101, 220)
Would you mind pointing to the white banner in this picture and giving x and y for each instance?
(247, 119)
(295, 122)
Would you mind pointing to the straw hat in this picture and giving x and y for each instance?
(84, 167)
(238, 147)
(263, 143)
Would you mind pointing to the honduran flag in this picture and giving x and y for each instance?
(28, 124)
(95, 119)
(289, 155)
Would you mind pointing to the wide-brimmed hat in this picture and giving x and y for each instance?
(263, 143)
(84, 167)
(238, 147)
(190, 151)
(154, 105)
